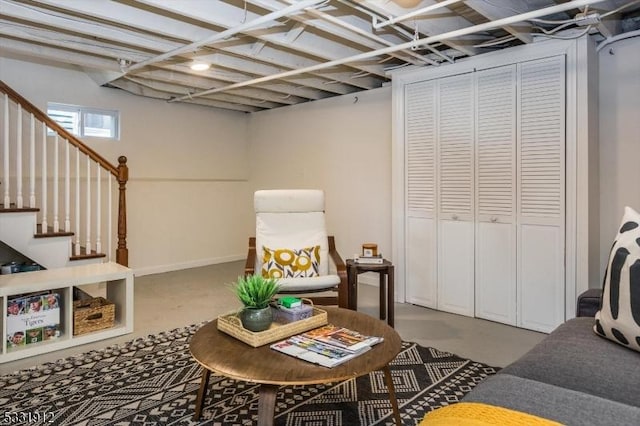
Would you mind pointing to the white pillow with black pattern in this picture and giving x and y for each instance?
(619, 316)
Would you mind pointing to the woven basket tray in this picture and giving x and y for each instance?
(92, 315)
(231, 324)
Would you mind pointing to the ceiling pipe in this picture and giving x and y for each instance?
(622, 36)
(224, 34)
(417, 43)
(371, 36)
(399, 29)
(417, 12)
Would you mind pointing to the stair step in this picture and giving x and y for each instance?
(83, 251)
(84, 255)
(50, 233)
(13, 209)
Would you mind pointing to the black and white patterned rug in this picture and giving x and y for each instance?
(154, 381)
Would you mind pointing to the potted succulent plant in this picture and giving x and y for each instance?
(256, 292)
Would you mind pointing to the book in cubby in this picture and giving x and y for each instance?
(32, 318)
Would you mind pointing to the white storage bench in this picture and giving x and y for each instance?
(119, 290)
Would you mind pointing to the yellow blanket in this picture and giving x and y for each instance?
(477, 414)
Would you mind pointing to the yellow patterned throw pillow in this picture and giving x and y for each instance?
(290, 263)
(478, 414)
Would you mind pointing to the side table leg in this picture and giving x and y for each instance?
(352, 281)
(202, 392)
(383, 296)
(267, 404)
(391, 297)
(392, 395)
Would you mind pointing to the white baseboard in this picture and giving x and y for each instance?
(365, 278)
(158, 269)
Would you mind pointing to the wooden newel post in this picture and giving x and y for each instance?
(122, 252)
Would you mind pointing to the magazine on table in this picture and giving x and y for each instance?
(342, 337)
(310, 349)
(313, 351)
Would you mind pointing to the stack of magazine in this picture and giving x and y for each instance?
(370, 260)
(328, 345)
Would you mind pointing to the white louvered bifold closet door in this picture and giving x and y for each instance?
(455, 194)
(420, 137)
(541, 192)
(495, 280)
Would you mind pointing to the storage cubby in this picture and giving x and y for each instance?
(114, 281)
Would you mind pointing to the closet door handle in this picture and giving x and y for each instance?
(494, 219)
(454, 217)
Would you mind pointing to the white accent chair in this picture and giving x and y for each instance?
(295, 219)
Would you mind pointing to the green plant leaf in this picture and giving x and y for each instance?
(255, 291)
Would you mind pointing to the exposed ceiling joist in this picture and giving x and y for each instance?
(266, 54)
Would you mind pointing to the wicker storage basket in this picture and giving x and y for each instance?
(92, 315)
(231, 324)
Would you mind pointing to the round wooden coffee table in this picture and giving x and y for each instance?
(227, 356)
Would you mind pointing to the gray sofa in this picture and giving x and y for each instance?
(573, 377)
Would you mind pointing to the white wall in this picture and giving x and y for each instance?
(619, 137)
(341, 145)
(188, 167)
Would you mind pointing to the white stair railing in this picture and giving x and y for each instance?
(67, 188)
(52, 161)
(32, 161)
(88, 208)
(43, 185)
(19, 199)
(5, 153)
(56, 184)
(99, 210)
(77, 234)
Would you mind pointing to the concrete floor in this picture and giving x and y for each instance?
(176, 299)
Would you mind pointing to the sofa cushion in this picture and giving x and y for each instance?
(619, 317)
(552, 402)
(574, 357)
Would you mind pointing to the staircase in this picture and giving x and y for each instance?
(56, 194)
(49, 249)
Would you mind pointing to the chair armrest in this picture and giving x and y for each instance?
(335, 256)
(589, 303)
(341, 270)
(250, 265)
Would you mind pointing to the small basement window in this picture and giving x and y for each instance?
(85, 121)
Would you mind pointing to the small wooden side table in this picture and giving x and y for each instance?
(385, 271)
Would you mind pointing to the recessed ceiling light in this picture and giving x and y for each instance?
(407, 3)
(200, 66)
